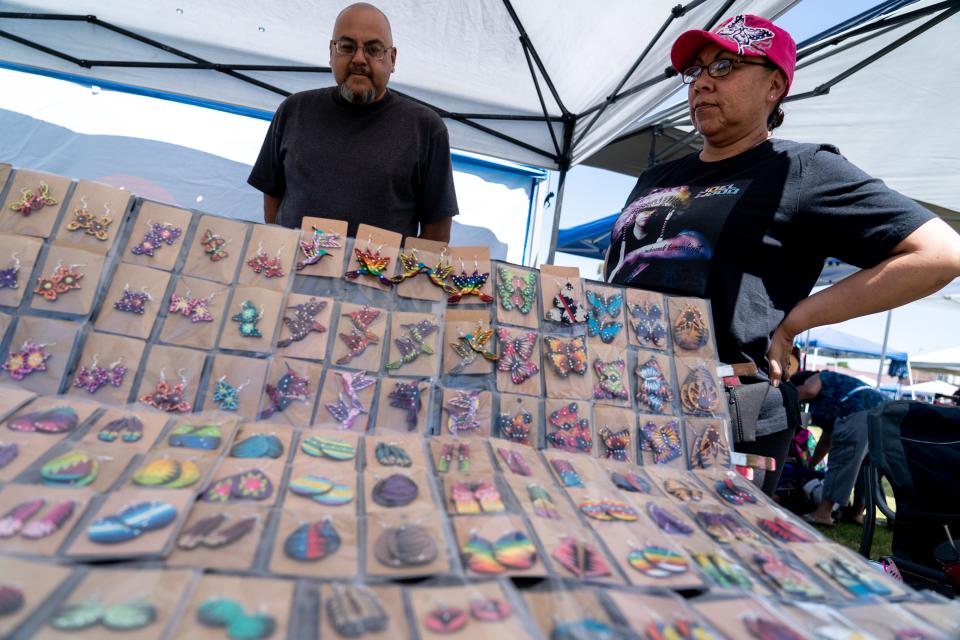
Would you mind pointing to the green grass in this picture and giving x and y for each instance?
(848, 534)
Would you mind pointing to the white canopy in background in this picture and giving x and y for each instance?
(462, 56)
(944, 361)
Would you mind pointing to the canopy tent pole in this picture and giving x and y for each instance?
(913, 394)
(568, 127)
(883, 350)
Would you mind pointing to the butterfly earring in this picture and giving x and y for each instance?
(516, 289)
(213, 245)
(30, 358)
(8, 276)
(228, 395)
(132, 301)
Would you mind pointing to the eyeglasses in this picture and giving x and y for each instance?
(373, 51)
(718, 69)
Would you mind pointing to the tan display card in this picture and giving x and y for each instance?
(691, 327)
(19, 253)
(246, 375)
(465, 331)
(281, 400)
(610, 375)
(173, 468)
(93, 217)
(244, 481)
(518, 460)
(332, 238)
(217, 536)
(190, 325)
(846, 572)
(58, 337)
(118, 356)
(216, 249)
(518, 367)
(331, 448)
(81, 407)
(681, 486)
(30, 448)
(552, 608)
(581, 554)
(314, 559)
(283, 433)
(401, 409)
(646, 317)
(541, 499)
(309, 487)
(459, 458)
(56, 501)
(414, 345)
(431, 253)
(342, 405)
(382, 455)
(649, 559)
(203, 435)
(656, 391)
(380, 249)
(473, 496)
(171, 366)
(388, 597)
(568, 426)
(161, 589)
(127, 504)
(640, 483)
(709, 442)
(730, 616)
(887, 620)
(616, 434)
(466, 413)
(360, 337)
(12, 398)
(254, 310)
(129, 286)
(384, 531)
(257, 596)
(517, 295)
(712, 558)
(566, 366)
(173, 225)
(310, 318)
(433, 600)
(641, 610)
(585, 468)
(669, 519)
(83, 267)
(524, 558)
(518, 420)
(36, 580)
(270, 256)
(661, 441)
(5, 169)
(572, 308)
(396, 489)
(130, 428)
(467, 261)
(606, 320)
(729, 487)
(110, 463)
(41, 196)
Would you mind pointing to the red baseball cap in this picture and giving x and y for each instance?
(745, 35)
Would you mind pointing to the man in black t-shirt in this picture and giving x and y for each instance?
(358, 152)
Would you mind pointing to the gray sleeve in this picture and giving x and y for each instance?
(437, 198)
(267, 174)
(845, 213)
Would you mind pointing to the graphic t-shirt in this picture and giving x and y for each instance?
(751, 233)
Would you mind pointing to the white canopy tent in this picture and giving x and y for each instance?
(943, 361)
(534, 81)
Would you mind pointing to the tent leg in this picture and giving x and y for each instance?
(557, 210)
(913, 394)
(883, 350)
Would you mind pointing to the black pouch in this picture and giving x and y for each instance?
(745, 401)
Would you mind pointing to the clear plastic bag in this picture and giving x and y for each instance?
(561, 294)
(195, 311)
(107, 368)
(216, 249)
(346, 400)
(379, 250)
(67, 281)
(517, 295)
(305, 327)
(566, 364)
(322, 248)
(47, 339)
(18, 255)
(610, 375)
(134, 288)
(163, 241)
(414, 343)
(403, 406)
(171, 366)
(361, 332)
(691, 327)
(234, 385)
(646, 317)
(616, 434)
(93, 217)
(269, 259)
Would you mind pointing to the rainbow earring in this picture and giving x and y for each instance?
(371, 263)
(470, 284)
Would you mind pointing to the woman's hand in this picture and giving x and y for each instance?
(779, 352)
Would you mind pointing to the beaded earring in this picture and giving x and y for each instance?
(97, 227)
(213, 245)
(316, 247)
(228, 395)
(157, 234)
(64, 279)
(132, 301)
(167, 397)
(303, 321)
(470, 284)
(248, 317)
(31, 357)
(269, 267)
(81, 217)
(93, 377)
(371, 264)
(8, 276)
(33, 200)
(197, 309)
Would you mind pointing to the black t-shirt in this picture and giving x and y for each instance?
(386, 164)
(751, 233)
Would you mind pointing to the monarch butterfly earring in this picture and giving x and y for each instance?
(97, 227)
(8, 276)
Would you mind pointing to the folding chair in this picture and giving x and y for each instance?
(916, 447)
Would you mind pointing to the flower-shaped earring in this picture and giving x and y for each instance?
(167, 397)
(228, 395)
(8, 276)
(30, 358)
(132, 301)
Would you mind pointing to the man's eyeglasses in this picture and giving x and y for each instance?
(373, 51)
(718, 69)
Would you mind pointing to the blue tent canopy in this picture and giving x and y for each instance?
(832, 342)
(589, 240)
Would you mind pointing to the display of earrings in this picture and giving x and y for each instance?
(412, 343)
(91, 225)
(348, 406)
(63, 280)
(371, 264)
(31, 200)
(157, 235)
(265, 265)
(9, 275)
(214, 245)
(469, 284)
(315, 247)
(197, 309)
(303, 322)
(93, 377)
(31, 357)
(169, 397)
(136, 301)
(248, 318)
(471, 345)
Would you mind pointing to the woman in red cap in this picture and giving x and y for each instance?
(748, 221)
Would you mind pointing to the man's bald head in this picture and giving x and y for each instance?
(367, 8)
(366, 56)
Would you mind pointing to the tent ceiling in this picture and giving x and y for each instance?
(461, 56)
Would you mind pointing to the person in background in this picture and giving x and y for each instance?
(357, 151)
(838, 405)
(748, 221)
